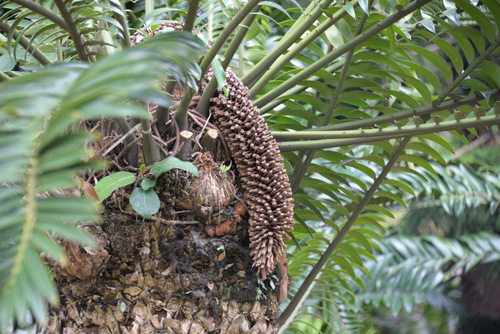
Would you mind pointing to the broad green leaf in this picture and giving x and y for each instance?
(359, 237)
(312, 100)
(363, 168)
(147, 184)
(464, 43)
(7, 63)
(144, 202)
(50, 247)
(474, 84)
(351, 251)
(378, 58)
(71, 141)
(311, 204)
(56, 160)
(358, 97)
(306, 115)
(475, 36)
(425, 73)
(344, 29)
(493, 71)
(173, 162)
(69, 232)
(349, 8)
(428, 23)
(409, 100)
(108, 184)
(396, 304)
(334, 36)
(321, 187)
(417, 84)
(321, 87)
(365, 6)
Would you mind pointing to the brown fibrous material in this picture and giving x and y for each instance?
(267, 192)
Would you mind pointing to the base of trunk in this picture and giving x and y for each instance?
(159, 276)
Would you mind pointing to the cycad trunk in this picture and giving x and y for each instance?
(193, 268)
(159, 276)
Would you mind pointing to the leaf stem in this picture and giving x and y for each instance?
(28, 225)
(288, 314)
(226, 32)
(423, 111)
(25, 43)
(181, 113)
(122, 19)
(343, 138)
(133, 153)
(301, 25)
(181, 118)
(149, 147)
(73, 31)
(43, 11)
(331, 56)
(301, 170)
(191, 15)
(209, 91)
(268, 73)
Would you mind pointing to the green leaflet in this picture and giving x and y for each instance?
(145, 202)
(438, 62)
(170, 163)
(108, 184)
(219, 73)
(404, 261)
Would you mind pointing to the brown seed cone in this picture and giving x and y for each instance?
(268, 195)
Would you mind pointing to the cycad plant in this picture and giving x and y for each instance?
(195, 198)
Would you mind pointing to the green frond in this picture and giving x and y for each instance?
(42, 158)
(409, 270)
(455, 188)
